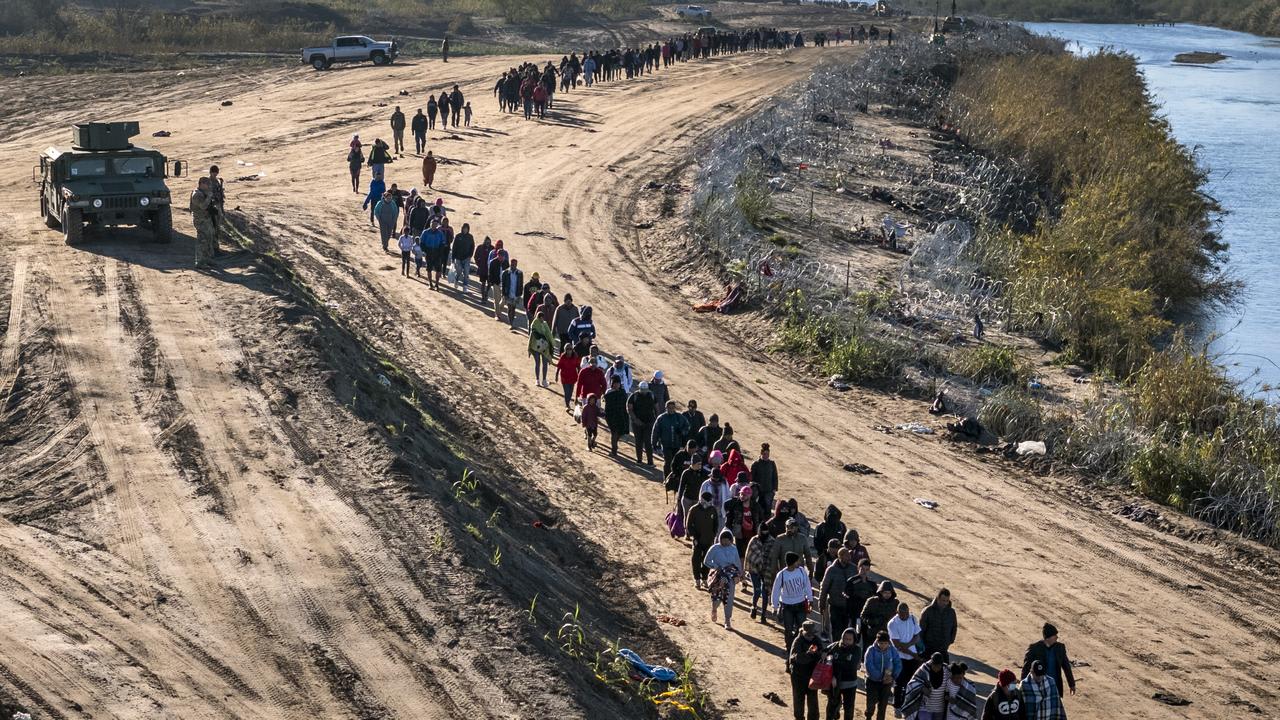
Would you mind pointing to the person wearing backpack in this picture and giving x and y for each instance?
(804, 655)
(642, 413)
(540, 343)
(757, 567)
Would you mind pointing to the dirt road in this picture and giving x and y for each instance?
(169, 548)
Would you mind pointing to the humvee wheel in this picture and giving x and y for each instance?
(50, 221)
(162, 224)
(73, 225)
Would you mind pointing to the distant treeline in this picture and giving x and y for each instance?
(138, 27)
(1261, 17)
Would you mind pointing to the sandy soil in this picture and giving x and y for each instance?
(257, 568)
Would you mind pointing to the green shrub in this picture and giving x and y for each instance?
(752, 195)
(994, 364)
(1012, 414)
(866, 359)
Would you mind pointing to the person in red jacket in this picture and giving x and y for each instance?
(540, 99)
(734, 465)
(567, 374)
(591, 419)
(591, 381)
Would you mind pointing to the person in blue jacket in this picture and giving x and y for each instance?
(882, 664)
(433, 248)
(377, 186)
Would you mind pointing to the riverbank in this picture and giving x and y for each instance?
(1260, 17)
(995, 219)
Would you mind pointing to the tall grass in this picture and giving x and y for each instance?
(1129, 238)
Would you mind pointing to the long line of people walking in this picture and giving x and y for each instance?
(839, 624)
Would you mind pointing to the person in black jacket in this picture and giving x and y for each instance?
(419, 127)
(455, 104)
(690, 484)
(464, 246)
(806, 651)
(615, 414)
(829, 529)
(642, 414)
(696, 419)
(938, 625)
(1054, 656)
(877, 611)
(764, 472)
(845, 660)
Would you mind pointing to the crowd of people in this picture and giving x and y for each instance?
(840, 624)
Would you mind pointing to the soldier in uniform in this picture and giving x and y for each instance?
(202, 216)
(217, 211)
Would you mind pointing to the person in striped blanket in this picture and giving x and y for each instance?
(938, 691)
(1040, 695)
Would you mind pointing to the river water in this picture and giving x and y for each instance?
(1229, 112)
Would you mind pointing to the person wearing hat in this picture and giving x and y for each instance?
(826, 556)
(434, 249)
(791, 541)
(1041, 698)
(1005, 700)
(831, 528)
(642, 412)
(904, 631)
(882, 664)
(857, 551)
(658, 386)
(669, 431)
(924, 696)
(531, 287)
(845, 657)
(791, 596)
(700, 527)
(764, 472)
(877, 611)
(622, 371)
(566, 313)
(615, 412)
(804, 654)
(541, 347)
(1054, 656)
(726, 567)
(582, 327)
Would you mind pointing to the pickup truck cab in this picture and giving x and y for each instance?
(351, 48)
(692, 12)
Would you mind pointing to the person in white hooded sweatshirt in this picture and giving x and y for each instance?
(791, 597)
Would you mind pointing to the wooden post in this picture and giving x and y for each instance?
(810, 208)
(846, 278)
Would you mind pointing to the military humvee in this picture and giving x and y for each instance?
(105, 180)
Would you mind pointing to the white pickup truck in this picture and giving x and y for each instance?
(350, 48)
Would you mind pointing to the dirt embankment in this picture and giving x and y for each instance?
(320, 591)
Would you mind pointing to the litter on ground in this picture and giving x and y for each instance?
(927, 504)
